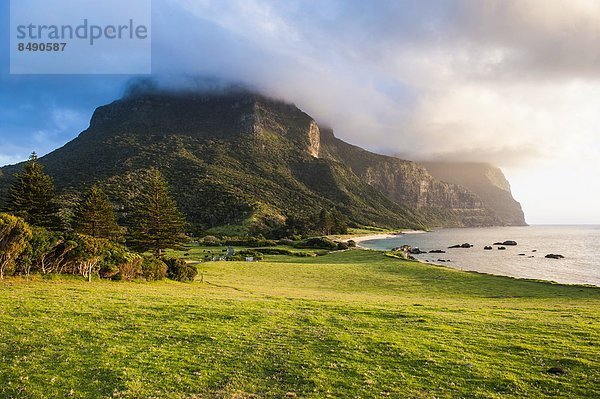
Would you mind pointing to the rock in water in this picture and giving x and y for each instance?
(510, 243)
(465, 245)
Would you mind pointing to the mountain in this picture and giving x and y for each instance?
(238, 158)
(485, 180)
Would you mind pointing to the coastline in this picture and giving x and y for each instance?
(380, 236)
(527, 260)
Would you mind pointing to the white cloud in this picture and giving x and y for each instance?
(513, 82)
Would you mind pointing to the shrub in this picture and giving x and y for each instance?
(317, 243)
(154, 269)
(274, 251)
(15, 233)
(40, 252)
(251, 242)
(87, 255)
(109, 271)
(212, 241)
(351, 243)
(130, 269)
(128, 264)
(342, 246)
(286, 241)
(178, 270)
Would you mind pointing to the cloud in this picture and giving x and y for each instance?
(499, 81)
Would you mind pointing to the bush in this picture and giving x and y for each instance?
(212, 241)
(130, 269)
(87, 255)
(351, 243)
(317, 243)
(286, 241)
(40, 252)
(274, 251)
(251, 242)
(128, 264)
(109, 271)
(178, 270)
(15, 234)
(154, 269)
(342, 246)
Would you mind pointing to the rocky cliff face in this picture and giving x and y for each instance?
(487, 181)
(244, 159)
(410, 183)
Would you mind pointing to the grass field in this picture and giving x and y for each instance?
(352, 324)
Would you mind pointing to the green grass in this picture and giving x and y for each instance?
(353, 324)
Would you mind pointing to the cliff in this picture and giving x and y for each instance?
(410, 183)
(485, 180)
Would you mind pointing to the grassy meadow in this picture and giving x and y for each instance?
(352, 324)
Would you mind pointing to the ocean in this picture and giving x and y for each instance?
(580, 246)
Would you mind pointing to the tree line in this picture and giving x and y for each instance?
(35, 238)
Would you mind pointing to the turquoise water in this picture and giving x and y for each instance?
(580, 245)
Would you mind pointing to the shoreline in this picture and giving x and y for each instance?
(382, 236)
(578, 267)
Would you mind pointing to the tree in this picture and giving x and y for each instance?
(39, 251)
(32, 195)
(88, 254)
(340, 222)
(14, 236)
(95, 216)
(155, 223)
(326, 222)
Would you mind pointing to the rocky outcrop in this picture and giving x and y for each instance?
(314, 139)
(487, 182)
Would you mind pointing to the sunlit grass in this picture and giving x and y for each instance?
(344, 325)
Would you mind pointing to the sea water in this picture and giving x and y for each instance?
(580, 246)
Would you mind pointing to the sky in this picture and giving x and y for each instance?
(515, 83)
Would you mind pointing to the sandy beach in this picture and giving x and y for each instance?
(360, 239)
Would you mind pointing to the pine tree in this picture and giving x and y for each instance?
(156, 223)
(340, 223)
(32, 195)
(326, 222)
(95, 216)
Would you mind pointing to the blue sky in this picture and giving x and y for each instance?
(41, 112)
(511, 82)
